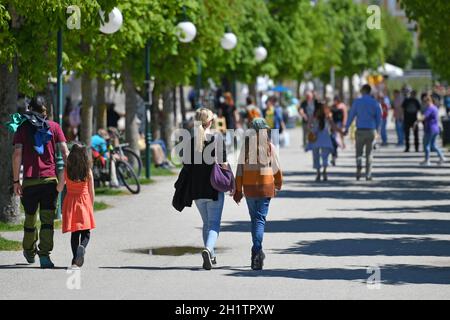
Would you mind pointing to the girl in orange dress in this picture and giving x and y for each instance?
(78, 206)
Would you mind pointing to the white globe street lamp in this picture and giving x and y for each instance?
(229, 41)
(260, 54)
(114, 23)
(186, 31)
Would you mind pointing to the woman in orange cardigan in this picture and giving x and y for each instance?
(258, 176)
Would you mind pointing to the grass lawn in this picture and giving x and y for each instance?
(105, 191)
(161, 172)
(99, 206)
(8, 245)
(6, 227)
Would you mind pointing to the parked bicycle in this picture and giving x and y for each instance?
(126, 153)
(125, 172)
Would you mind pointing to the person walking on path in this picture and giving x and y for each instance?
(384, 119)
(35, 145)
(205, 148)
(306, 111)
(78, 206)
(258, 176)
(340, 115)
(431, 131)
(399, 117)
(367, 112)
(322, 127)
(411, 107)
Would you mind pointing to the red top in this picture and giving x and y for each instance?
(35, 165)
(78, 208)
(385, 109)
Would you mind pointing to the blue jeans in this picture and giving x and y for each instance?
(211, 213)
(429, 144)
(258, 209)
(321, 153)
(399, 127)
(384, 137)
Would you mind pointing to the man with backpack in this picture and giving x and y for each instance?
(35, 145)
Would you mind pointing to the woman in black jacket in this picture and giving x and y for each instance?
(206, 150)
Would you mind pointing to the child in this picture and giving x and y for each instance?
(322, 146)
(258, 176)
(78, 207)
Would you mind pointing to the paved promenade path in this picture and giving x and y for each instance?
(322, 241)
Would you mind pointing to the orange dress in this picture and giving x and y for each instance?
(78, 209)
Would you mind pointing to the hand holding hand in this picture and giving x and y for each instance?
(18, 189)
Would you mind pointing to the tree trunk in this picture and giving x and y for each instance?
(131, 120)
(340, 87)
(182, 104)
(101, 104)
(351, 90)
(175, 106)
(87, 109)
(9, 203)
(167, 120)
(52, 113)
(252, 91)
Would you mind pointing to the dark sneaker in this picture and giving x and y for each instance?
(358, 174)
(30, 257)
(46, 263)
(253, 265)
(259, 261)
(79, 260)
(369, 178)
(207, 262)
(214, 261)
(325, 176)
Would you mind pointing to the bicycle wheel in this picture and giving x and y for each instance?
(126, 175)
(134, 160)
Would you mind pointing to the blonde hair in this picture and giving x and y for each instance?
(203, 117)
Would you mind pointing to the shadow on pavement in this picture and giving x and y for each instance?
(436, 208)
(358, 194)
(420, 185)
(390, 274)
(348, 225)
(372, 247)
(143, 268)
(27, 266)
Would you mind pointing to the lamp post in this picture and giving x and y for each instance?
(186, 33)
(148, 103)
(59, 104)
(260, 53)
(113, 25)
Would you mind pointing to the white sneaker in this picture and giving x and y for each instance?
(442, 161)
(425, 163)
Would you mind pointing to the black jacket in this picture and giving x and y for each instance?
(182, 198)
(194, 180)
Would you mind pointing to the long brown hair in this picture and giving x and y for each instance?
(78, 163)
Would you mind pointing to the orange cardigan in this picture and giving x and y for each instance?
(258, 180)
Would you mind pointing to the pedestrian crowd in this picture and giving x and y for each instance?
(203, 182)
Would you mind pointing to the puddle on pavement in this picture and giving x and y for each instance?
(170, 251)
